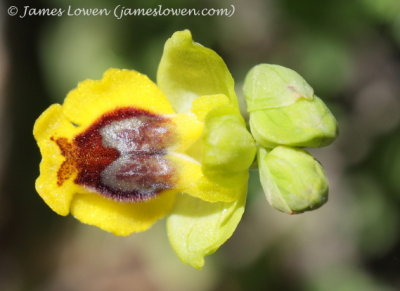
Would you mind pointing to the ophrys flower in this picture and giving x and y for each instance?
(122, 152)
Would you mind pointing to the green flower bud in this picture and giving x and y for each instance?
(306, 123)
(228, 146)
(293, 181)
(284, 110)
(270, 86)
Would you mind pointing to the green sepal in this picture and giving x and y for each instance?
(197, 228)
(188, 70)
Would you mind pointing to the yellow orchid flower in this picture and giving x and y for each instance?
(122, 152)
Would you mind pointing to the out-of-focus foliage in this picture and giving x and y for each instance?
(349, 52)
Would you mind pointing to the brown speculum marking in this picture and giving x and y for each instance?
(121, 156)
(67, 168)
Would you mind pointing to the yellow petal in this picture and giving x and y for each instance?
(121, 218)
(197, 228)
(192, 181)
(53, 124)
(201, 106)
(118, 88)
(188, 130)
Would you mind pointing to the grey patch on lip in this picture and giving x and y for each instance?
(123, 135)
(144, 174)
(142, 167)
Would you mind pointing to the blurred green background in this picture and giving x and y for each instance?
(349, 51)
